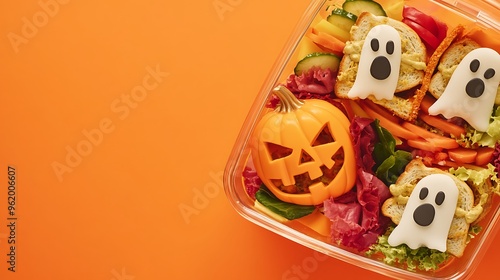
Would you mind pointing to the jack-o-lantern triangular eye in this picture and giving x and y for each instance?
(277, 151)
(324, 137)
(305, 157)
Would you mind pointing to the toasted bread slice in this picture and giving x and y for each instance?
(434, 59)
(448, 63)
(401, 190)
(412, 68)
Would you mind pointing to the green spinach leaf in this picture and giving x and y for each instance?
(389, 162)
(288, 210)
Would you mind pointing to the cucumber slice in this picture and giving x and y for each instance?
(342, 19)
(321, 60)
(358, 6)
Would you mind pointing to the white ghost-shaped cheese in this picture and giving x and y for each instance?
(428, 214)
(471, 91)
(379, 63)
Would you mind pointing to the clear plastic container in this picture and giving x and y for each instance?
(484, 18)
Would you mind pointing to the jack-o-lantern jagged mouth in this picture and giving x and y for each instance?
(303, 181)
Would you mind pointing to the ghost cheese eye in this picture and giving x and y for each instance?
(474, 65)
(423, 193)
(489, 73)
(440, 198)
(374, 44)
(389, 48)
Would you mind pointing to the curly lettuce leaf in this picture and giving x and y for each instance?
(488, 138)
(479, 178)
(413, 259)
(423, 258)
(476, 176)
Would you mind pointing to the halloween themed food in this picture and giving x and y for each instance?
(355, 79)
(355, 149)
(303, 150)
(464, 209)
(468, 77)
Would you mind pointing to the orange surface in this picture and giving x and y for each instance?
(117, 115)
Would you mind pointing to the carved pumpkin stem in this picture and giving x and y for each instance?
(289, 102)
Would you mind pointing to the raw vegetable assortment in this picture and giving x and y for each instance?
(362, 147)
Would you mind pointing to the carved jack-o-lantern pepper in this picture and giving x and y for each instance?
(303, 151)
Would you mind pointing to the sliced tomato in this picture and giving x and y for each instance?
(463, 155)
(440, 157)
(431, 158)
(419, 17)
(484, 155)
(429, 38)
(427, 102)
(443, 125)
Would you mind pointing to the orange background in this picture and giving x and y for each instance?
(107, 153)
